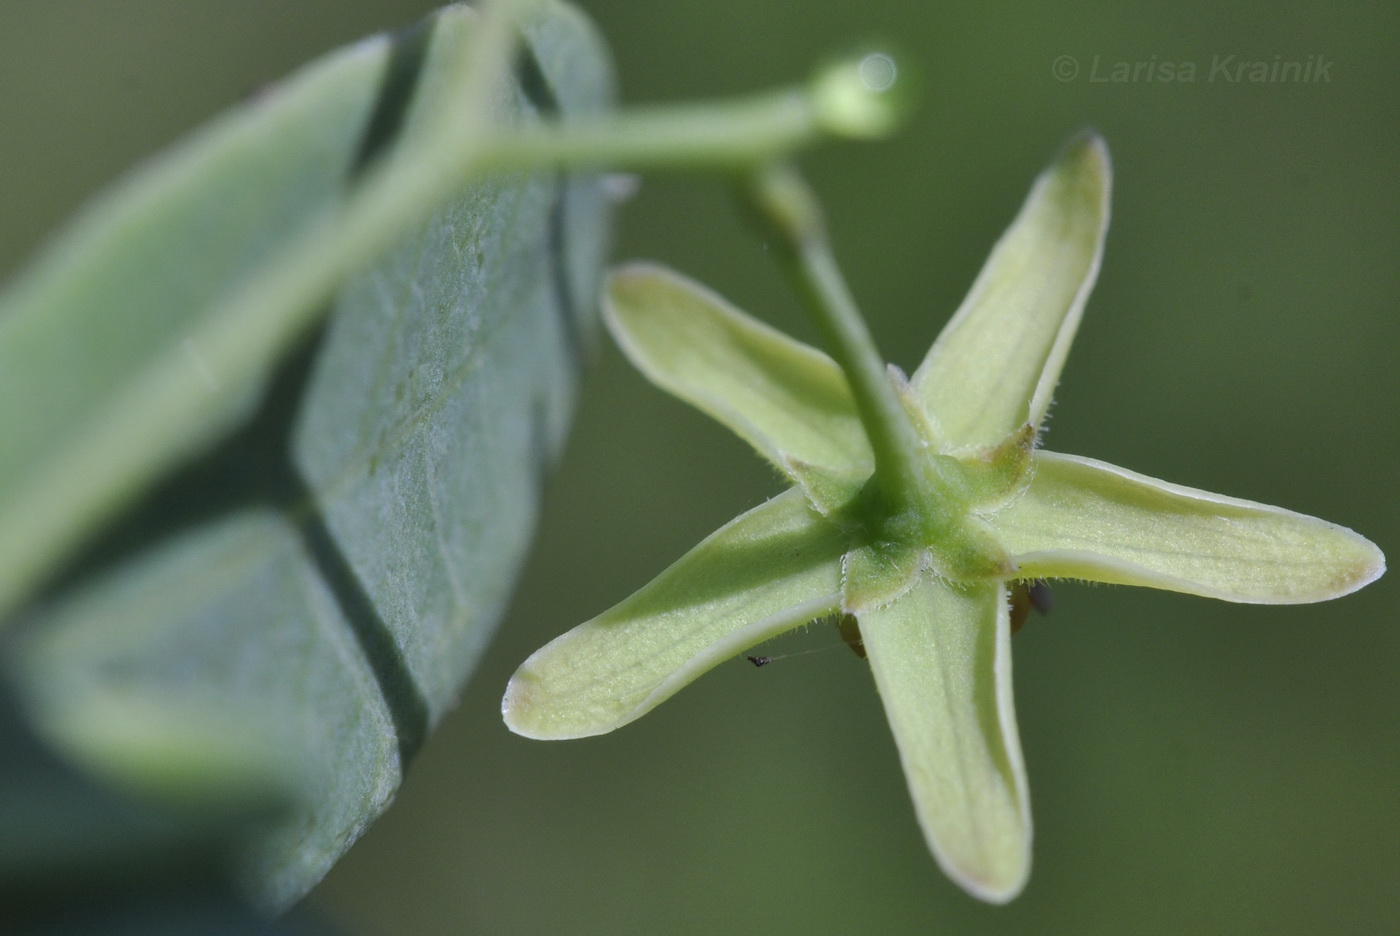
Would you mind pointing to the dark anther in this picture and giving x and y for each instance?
(1026, 595)
(849, 628)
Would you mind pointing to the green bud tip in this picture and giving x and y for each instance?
(861, 96)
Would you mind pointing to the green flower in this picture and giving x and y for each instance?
(919, 535)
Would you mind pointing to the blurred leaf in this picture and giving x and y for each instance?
(116, 296)
(331, 570)
(77, 857)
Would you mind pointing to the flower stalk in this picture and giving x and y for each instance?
(791, 215)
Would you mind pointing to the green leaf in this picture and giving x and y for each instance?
(78, 856)
(199, 758)
(1082, 518)
(145, 331)
(787, 400)
(761, 574)
(332, 570)
(120, 296)
(941, 656)
(995, 366)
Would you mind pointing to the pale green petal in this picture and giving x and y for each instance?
(995, 366)
(942, 660)
(784, 398)
(1085, 519)
(763, 573)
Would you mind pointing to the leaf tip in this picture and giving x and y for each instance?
(1347, 562)
(1370, 565)
(515, 706)
(1083, 171)
(625, 275)
(621, 284)
(548, 698)
(1086, 151)
(995, 891)
(995, 872)
(636, 293)
(526, 710)
(992, 875)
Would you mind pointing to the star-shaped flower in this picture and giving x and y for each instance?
(923, 561)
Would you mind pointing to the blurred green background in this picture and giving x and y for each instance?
(1195, 766)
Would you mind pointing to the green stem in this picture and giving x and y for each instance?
(718, 135)
(790, 211)
(733, 135)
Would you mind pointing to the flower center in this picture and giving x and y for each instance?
(938, 515)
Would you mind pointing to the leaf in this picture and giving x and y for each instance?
(941, 656)
(118, 294)
(331, 570)
(789, 401)
(77, 856)
(995, 366)
(763, 573)
(1082, 518)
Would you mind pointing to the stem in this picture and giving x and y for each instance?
(734, 135)
(719, 135)
(790, 211)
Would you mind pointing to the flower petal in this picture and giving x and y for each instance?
(942, 661)
(995, 366)
(763, 573)
(1085, 519)
(784, 398)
